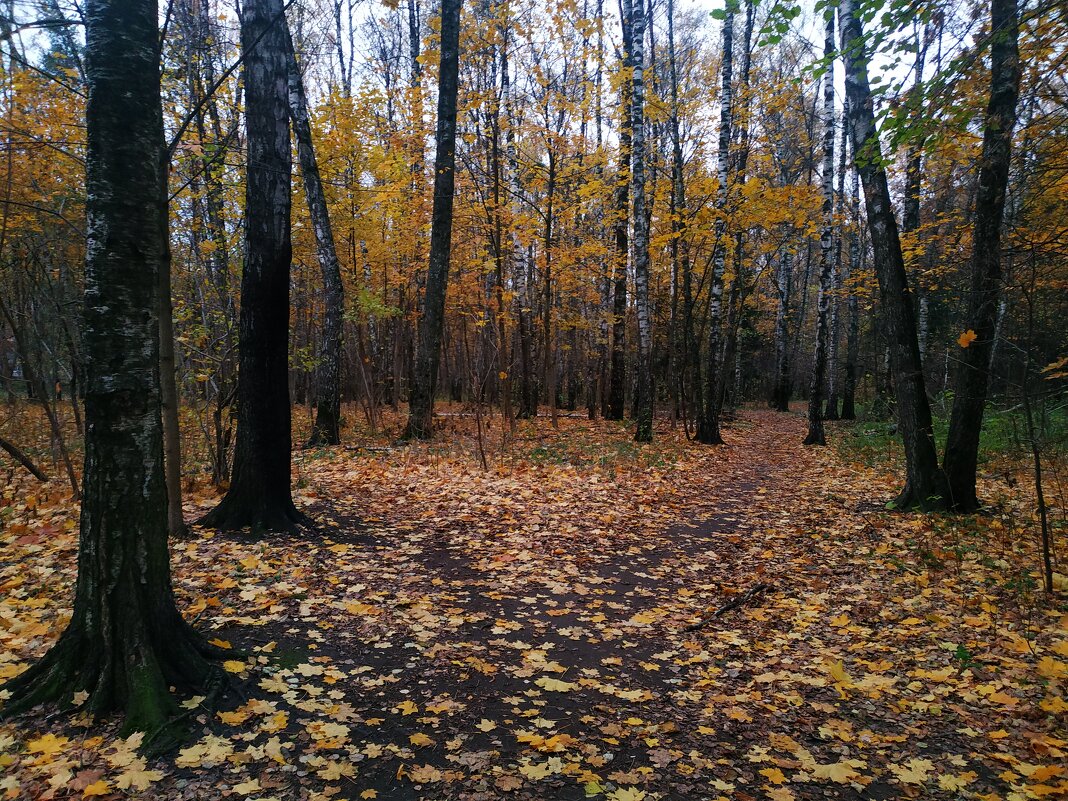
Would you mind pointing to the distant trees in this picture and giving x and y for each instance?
(639, 227)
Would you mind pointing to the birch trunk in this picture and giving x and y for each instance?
(327, 427)
(640, 251)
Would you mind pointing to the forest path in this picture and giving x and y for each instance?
(550, 658)
(545, 630)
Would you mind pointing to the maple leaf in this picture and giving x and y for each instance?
(48, 745)
(248, 788)
(425, 774)
(774, 775)
(967, 338)
(841, 772)
(406, 707)
(486, 725)
(555, 685)
(100, 787)
(137, 778)
(420, 739)
(508, 783)
(915, 771)
(627, 794)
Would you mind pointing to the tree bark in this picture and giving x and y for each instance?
(780, 394)
(970, 388)
(126, 643)
(431, 326)
(617, 381)
(259, 495)
(816, 434)
(640, 252)
(849, 385)
(708, 419)
(925, 485)
(327, 427)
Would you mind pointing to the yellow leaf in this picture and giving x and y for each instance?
(486, 725)
(406, 707)
(97, 788)
(248, 788)
(224, 644)
(48, 745)
(369, 794)
(234, 666)
(420, 739)
(841, 772)
(967, 338)
(775, 776)
(555, 685)
(137, 779)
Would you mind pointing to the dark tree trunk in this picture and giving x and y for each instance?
(816, 435)
(708, 417)
(925, 485)
(327, 427)
(259, 495)
(428, 352)
(126, 643)
(970, 388)
(617, 380)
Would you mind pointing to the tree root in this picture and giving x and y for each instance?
(133, 678)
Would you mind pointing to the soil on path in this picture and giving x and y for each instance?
(681, 623)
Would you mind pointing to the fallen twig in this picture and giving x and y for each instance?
(23, 459)
(734, 603)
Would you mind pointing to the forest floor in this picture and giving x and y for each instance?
(586, 618)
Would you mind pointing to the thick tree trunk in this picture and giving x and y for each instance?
(708, 418)
(640, 252)
(925, 485)
(431, 326)
(327, 427)
(259, 495)
(126, 643)
(970, 388)
(816, 435)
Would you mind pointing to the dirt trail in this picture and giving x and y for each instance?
(603, 625)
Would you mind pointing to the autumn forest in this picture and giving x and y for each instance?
(523, 399)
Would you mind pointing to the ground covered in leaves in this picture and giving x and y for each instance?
(583, 619)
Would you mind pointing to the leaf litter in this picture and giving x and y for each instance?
(580, 621)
